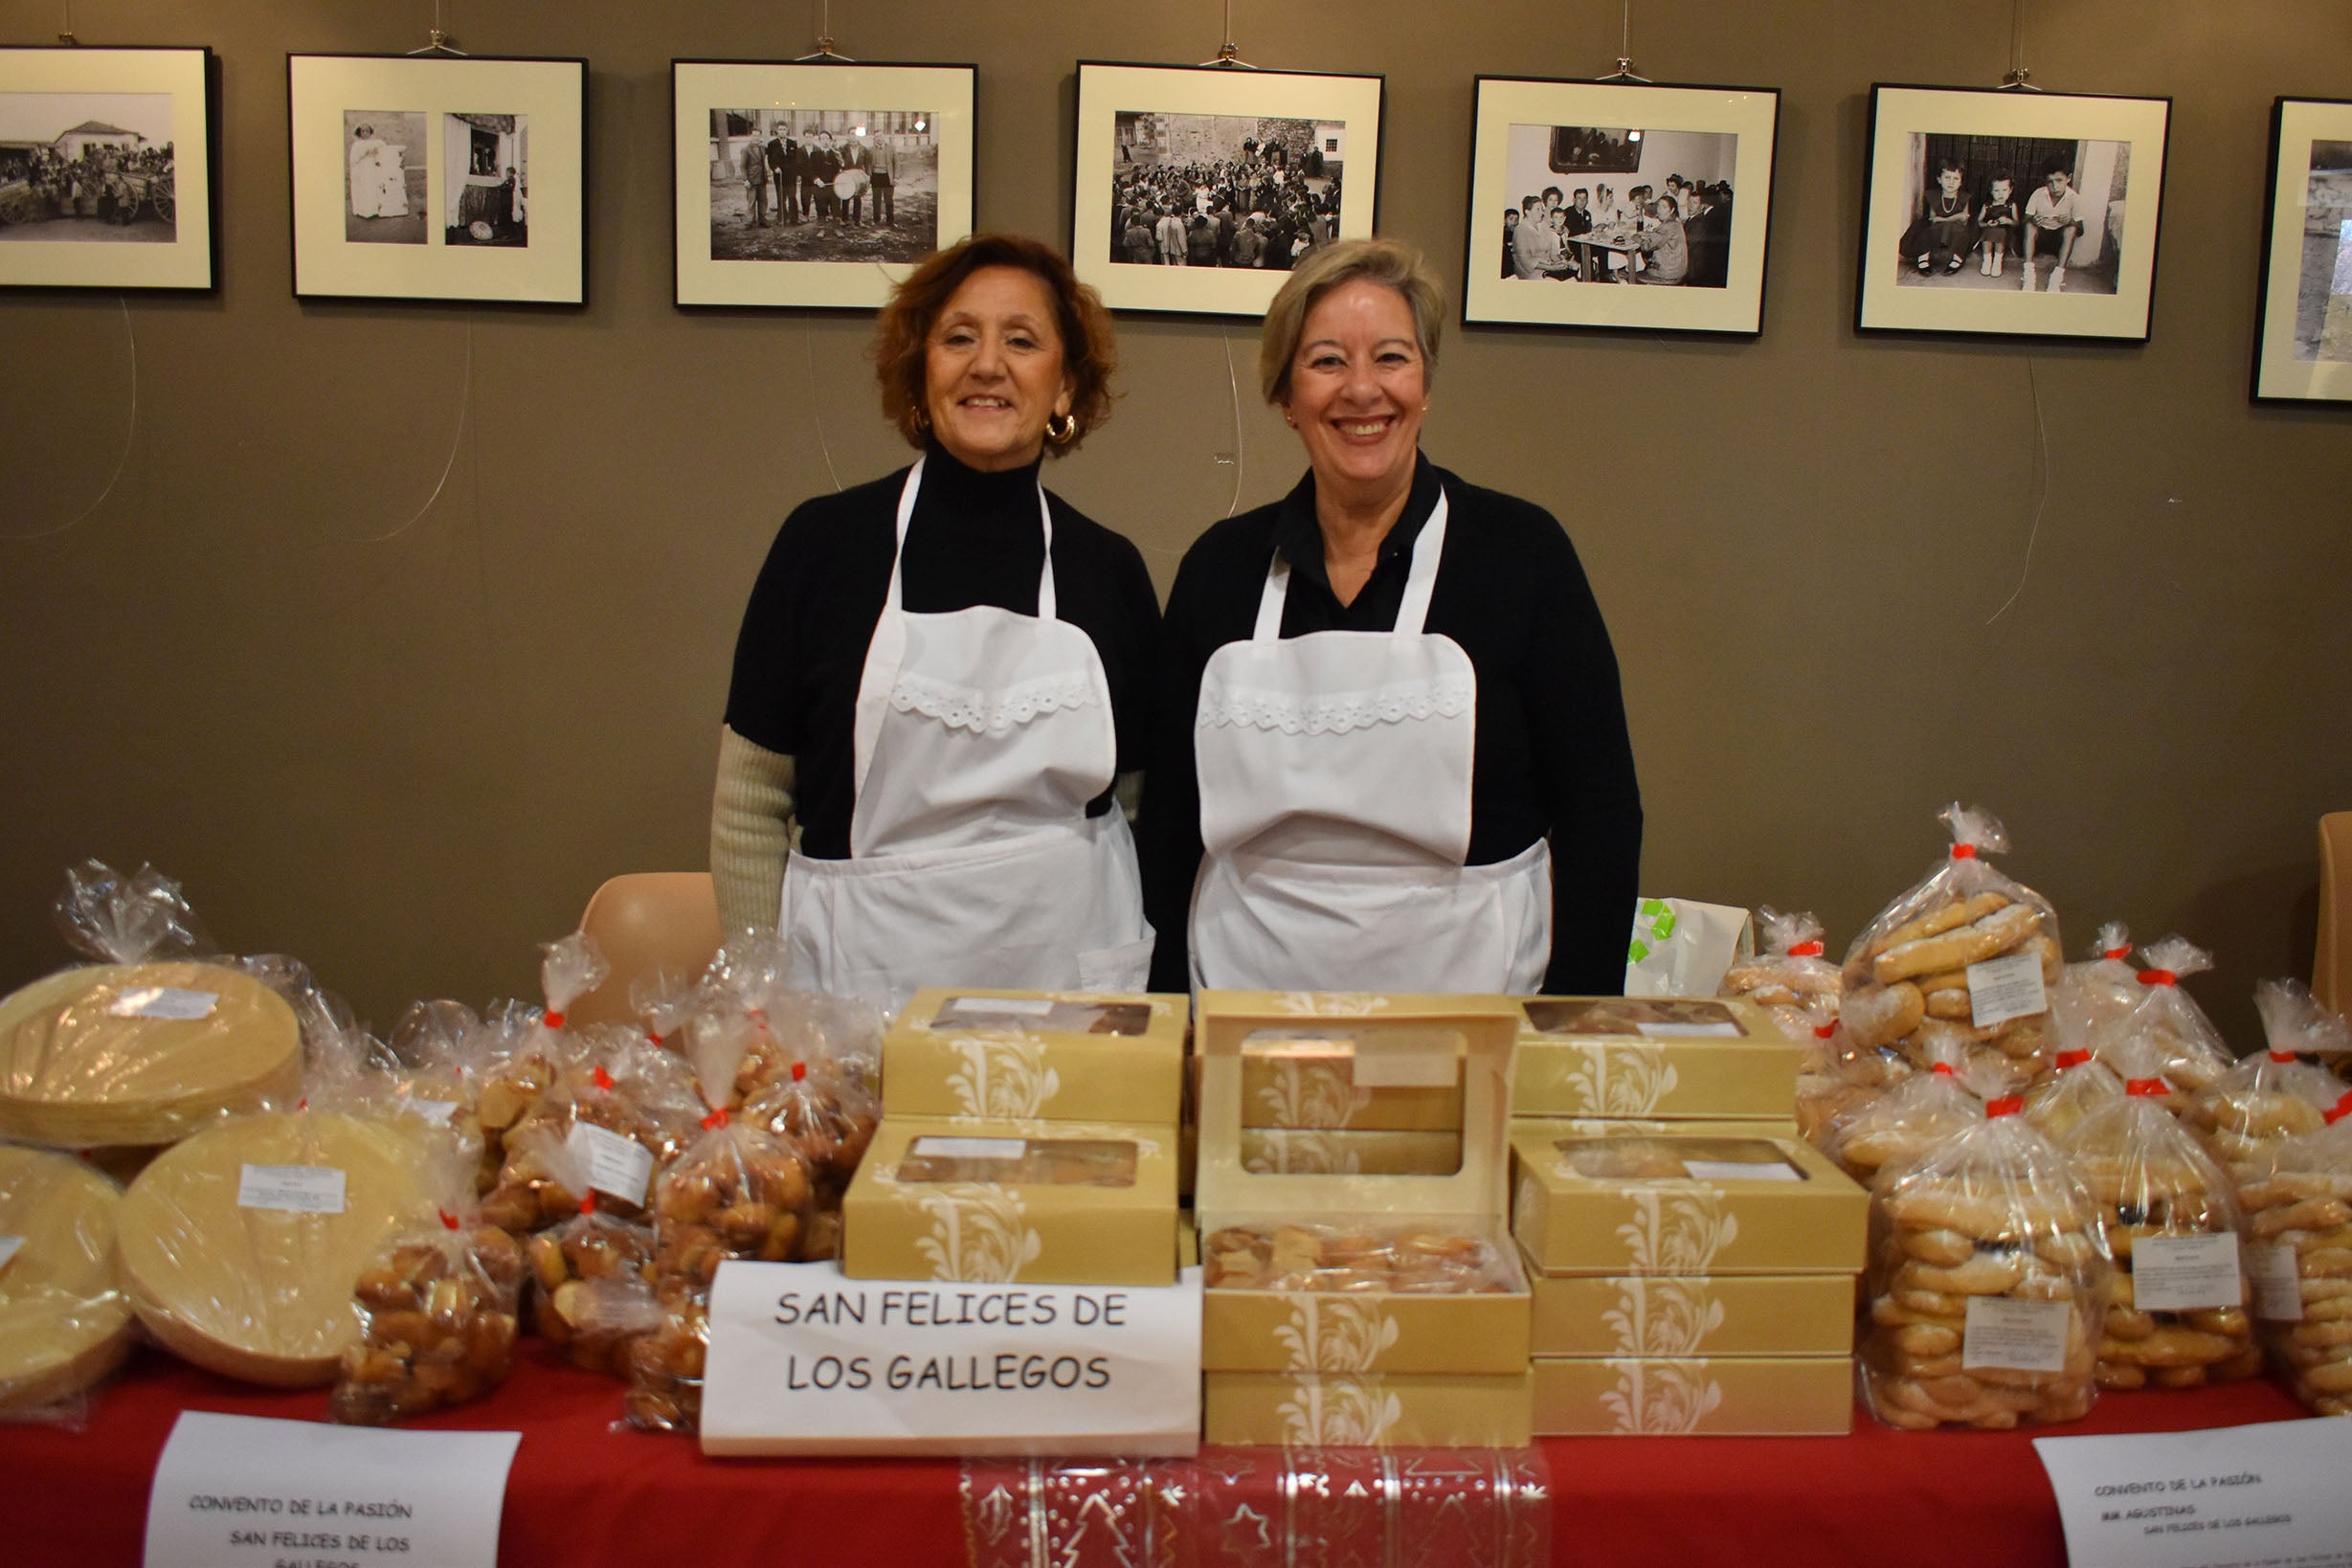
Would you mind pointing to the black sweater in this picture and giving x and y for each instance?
(974, 539)
(1551, 756)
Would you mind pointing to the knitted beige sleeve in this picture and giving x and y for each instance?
(750, 829)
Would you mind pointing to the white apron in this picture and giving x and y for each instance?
(1336, 813)
(980, 735)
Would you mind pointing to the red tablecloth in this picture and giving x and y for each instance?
(583, 1493)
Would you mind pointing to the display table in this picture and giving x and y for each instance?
(583, 1493)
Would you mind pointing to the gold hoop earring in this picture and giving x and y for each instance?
(922, 420)
(1060, 429)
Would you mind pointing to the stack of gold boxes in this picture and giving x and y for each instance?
(1694, 1261)
(1362, 1283)
(1029, 1136)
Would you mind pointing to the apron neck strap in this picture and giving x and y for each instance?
(906, 493)
(1412, 614)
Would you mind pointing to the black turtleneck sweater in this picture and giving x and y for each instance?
(974, 539)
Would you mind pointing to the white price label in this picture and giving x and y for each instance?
(9, 1246)
(805, 1361)
(2278, 1284)
(2186, 1273)
(165, 1001)
(969, 1008)
(241, 1492)
(2002, 988)
(2015, 1335)
(617, 1165)
(436, 1111)
(2267, 1497)
(297, 1189)
(968, 1148)
(1725, 1030)
(1739, 1170)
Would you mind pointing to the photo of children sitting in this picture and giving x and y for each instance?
(2053, 208)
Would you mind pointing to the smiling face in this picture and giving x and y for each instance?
(1358, 386)
(993, 371)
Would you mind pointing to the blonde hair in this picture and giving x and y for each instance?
(1390, 263)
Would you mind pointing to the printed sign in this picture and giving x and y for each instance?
(2015, 1335)
(2002, 988)
(2244, 1496)
(298, 1188)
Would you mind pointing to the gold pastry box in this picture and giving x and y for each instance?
(1660, 1057)
(1378, 1411)
(1060, 1055)
(1307, 1076)
(999, 1201)
(1682, 1315)
(1301, 1152)
(1682, 1203)
(1789, 1396)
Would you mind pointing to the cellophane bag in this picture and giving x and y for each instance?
(1988, 1284)
(2177, 1302)
(2165, 1018)
(438, 1308)
(1908, 981)
(1790, 978)
(837, 1039)
(1824, 1088)
(431, 1069)
(1902, 1123)
(2273, 1096)
(618, 1113)
(2079, 1083)
(590, 1277)
(511, 1059)
(738, 1191)
(2299, 1207)
(828, 1120)
(2105, 986)
(65, 1324)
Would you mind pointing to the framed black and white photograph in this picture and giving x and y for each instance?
(106, 168)
(1198, 187)
(2012, 213)
(1619, 206)
(439, 178)
(2303, 315)
(815, 185)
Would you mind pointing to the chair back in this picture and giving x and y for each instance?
(644, 921)
(2331, 966)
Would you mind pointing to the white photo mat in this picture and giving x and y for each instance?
(187, 263)
(1898, 112)
(1752, 114)
(1106, 91)
(2280, 371)
(945, 92)
(552, 268)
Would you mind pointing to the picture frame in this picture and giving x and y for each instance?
(106, 168)
(1704, 154)
(439, 178)
(1920, 272)
(897, 134)
(1242, 137)
(2303, 311)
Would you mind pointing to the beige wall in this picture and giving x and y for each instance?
(406, 747)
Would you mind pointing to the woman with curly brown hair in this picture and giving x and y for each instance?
(941, 673)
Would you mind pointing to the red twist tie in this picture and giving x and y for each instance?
(449, 1220)
(2008, 1105)
(603, 1080)
(1805, 949)
(650, 1034)
(1963, 852)
(757, 1015)
(554, 1020)
(2343, 1109)
(1823, 1031)
(715, 1120)
(2149, 1086)
(2117, 953)
(2072, 1058)
(2159, 976)
(2282, 1056)
(800, 1071)
(588, 1201)
(1946, 1069)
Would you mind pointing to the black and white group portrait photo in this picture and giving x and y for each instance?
(486, 179)
(88, 168)
(2303, 309)
(384, 158)
(2323, 288)
(2034, 213)
(1620, 204)
(1224, 190)
(823, 185)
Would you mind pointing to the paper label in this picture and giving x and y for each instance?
(803, 1359)
(2278, 1284)
(1380, 1064)
(1690, 1031)
(2186, 1273)
(9, 1246)
(969, 1147)
(2268, 1496)
(1730, 1170)
(436, 1111)
(999, 1007)
(2015, 1335)
(2002, 988)
(298, 1188)
(165, 1001)
(616, 1164)
(240, 1491)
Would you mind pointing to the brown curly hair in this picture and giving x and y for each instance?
(1089, 351)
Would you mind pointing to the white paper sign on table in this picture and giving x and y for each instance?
(2245, 1495)
(2186, 1273)
(804, 1360)
(2002, 988)
(240, 1491)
